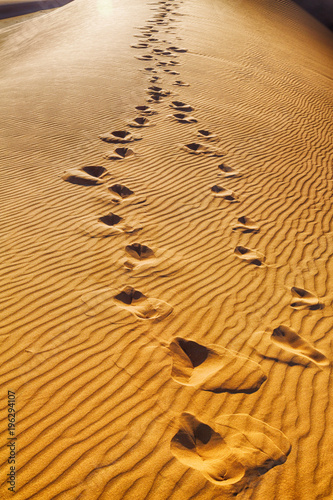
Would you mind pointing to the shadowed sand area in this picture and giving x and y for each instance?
(166, 251)
(13, 8)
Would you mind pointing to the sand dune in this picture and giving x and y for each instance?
(166, 251)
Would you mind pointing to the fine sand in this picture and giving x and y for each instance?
(166, 251)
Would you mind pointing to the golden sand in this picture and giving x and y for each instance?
(166, 251)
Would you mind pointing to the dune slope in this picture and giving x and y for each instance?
(166, 251)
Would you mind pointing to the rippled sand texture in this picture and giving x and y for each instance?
(166, 251)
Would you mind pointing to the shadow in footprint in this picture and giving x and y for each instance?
(284, 344)
(180, 83)
(110, 219)
(181, 106)
(141, 306)
(120, 154)
(207, 135)
(146, 57)
(154, 90)
(119, 136)
(140, 122)
(150, 70)
(232, 452)
(177, 49)
(214, 368)
(246, 225)
(305, 300)
(146, 110)
(86, 176)
(228, 171)
(121, 191)
(140, 46)
(183, 118)
(139, 252)
(221, 192)
(249, 255)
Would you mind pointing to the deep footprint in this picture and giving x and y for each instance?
(177, 49)
(288, 339)
(229, 171)
(249, 255)
(232, 452)
(180, 83)
(141, 306)
(285, 345)
(196, 148)
(154, 90)
(86, 176)
(140, 122)
(214, 368)
(145, 110)
(120, 154)
(207, 135)
(181, 106)
(246, 225)
(119, 136)
(184, 118)
(121, 191)
(221, 192)
(139, 252)
(111, 219)
(305, 300)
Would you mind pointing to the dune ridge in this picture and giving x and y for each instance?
(139, 269)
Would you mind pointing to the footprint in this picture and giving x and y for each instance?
(139, 122)
(246, 225)
(173, 63)
(121, 191)
(181, 106)
(119, 136)
(183, 118)
(145, 57)
(214, 368)
(150, 70)
(141, 306)
(283, 344)
(87, 176)
(232, 452)
(154, 97)
(146, 110)
(110, 225)
(154, 90)
(251, 256)
(180, 83)
(197, 149)
(305, 300)
(207, 135)
(139, 252)
(161, 63)
(120, 154)
(227, 194)
(154, 79)
(110, 219)
(229, 172)
(94, 170)
(177, 49)
(140, 46)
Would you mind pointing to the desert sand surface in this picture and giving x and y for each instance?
(166, 252)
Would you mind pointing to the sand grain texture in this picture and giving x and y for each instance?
(166, 292)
